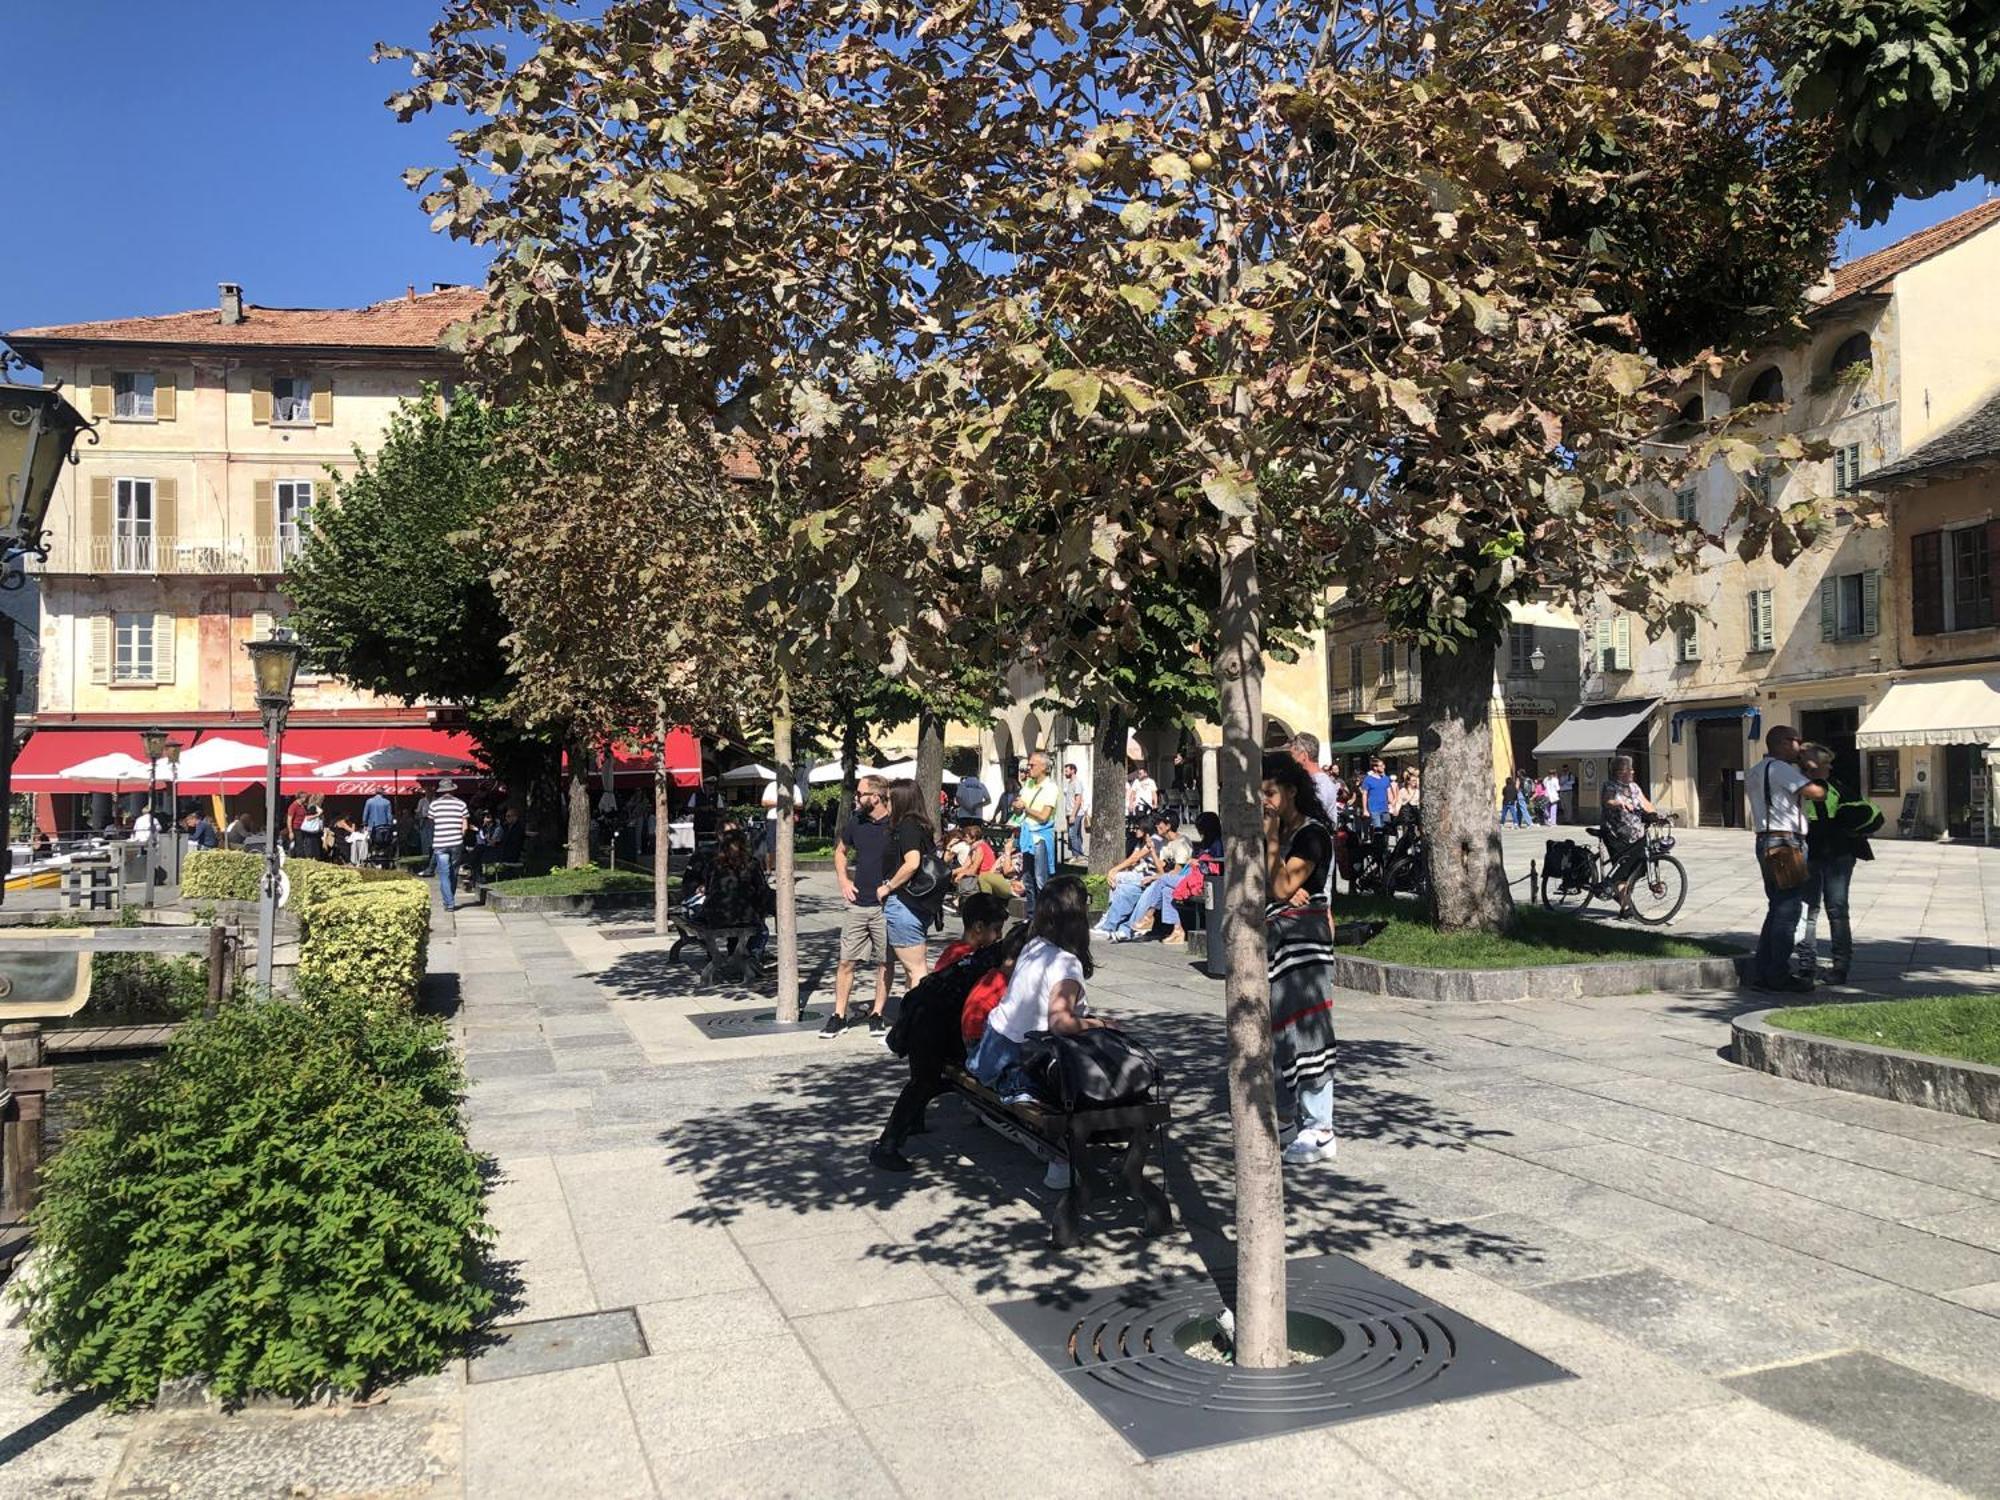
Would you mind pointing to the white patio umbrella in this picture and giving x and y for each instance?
(115, 766)
(906, 770)
(747, 775)
(219, 757)
(829, 773)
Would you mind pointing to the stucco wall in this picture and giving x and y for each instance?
(1950, 312)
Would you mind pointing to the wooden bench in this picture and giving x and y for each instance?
(1053, 1136)
(715, 943)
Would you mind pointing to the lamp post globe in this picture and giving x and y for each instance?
(1537, 659)
(274, 661)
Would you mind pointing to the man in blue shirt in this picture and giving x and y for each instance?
(378, 821)
(1375, 793)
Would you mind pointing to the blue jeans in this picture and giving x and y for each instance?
(904, 926)
(1078, 848)
(447, 874)
(1038, 861)
(996, 1062)
(1826, 887)
(1157, 898)
(1125, 897)
(1781, 923)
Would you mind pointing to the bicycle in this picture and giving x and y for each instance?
(1655, 881)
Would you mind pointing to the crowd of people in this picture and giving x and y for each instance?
(1528, 800)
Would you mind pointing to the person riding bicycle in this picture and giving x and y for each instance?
(1626, 809)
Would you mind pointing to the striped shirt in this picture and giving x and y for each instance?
(447, 815)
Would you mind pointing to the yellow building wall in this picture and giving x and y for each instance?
(1950, 311)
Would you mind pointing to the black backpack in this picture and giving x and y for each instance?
(1094, 1069)
(930, 1012)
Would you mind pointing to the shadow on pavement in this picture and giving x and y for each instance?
(802, 1151)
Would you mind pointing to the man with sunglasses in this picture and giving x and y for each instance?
(860, 864)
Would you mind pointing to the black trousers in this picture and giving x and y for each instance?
(934, 1045)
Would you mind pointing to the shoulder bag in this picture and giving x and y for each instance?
(1784, 861)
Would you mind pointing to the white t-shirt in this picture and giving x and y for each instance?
(1786, 814)
(1145, 795)
(1041, 967)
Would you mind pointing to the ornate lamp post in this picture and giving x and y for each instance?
(156, 750)
(38, 428)
(1537, 659)
(174, 748)
(275, 662)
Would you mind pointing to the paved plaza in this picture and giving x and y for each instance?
(1761, 1287)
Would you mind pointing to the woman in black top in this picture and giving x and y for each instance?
(912, 900)
(1298, 924)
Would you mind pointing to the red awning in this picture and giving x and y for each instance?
(49, 750)
(635, 763)
(325, 747)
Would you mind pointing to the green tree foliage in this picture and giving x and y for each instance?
(393, 589)
(284, 1203)
(1911, 89)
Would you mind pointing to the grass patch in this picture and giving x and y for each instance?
(1966, 1027)
(1540, 937)
(586, 880)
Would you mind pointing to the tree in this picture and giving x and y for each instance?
(1911, 89)
(393, 590)
(1298, 261)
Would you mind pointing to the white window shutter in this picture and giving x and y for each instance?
(1600, 644)
(100, 649)
(163, 648)
(1622, 643)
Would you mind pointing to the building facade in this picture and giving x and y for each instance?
(219, 431)
(1901, 345)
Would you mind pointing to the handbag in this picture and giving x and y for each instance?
(1785, 863)
(1093, 1069)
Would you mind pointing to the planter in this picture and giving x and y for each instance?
(1547, 982)
(572, 905)
(1942, 1083)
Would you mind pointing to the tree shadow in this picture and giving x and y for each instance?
(654, 974)
(975, 1205)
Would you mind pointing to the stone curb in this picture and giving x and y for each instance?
(1547, 982)
(1943, 1084)
(575, 906)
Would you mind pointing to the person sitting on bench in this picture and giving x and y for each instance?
(1045, 992)
(930, 1029)
(736, 892)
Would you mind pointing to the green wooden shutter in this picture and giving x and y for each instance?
(1767, 627)
(1871, 602)
(1829, 609)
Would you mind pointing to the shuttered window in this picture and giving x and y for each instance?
(1850, 606)
(1687, 644)
(132, 648)
(1762, 620)
(132, 395)
(1354, 679)
(291, 400)
(1846, 468)
(1611, 643)
(133, 531)
(1684, 503)
(293, 499)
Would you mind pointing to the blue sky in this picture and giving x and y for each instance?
(154, 150)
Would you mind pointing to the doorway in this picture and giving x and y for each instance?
(1834, 728)
(1967, 811)
(1718, 773)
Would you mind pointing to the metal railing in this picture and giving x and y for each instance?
(184, 555)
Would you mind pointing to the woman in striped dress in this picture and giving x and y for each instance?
(1298, 937)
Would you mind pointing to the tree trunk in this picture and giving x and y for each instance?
(1107, 789)
(1253, 1110)
(930, 760)
(785, 874)
(661, 923)
(1468, 876)
(850, 754)
(579, 802)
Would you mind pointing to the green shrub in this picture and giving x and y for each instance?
(311, 881)
(366, 938)
(582, 880)
(282, 1204)
(1099, 887)
(221, 875)
(128, 989)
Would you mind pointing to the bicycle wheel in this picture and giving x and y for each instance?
(1658, 890)
(1409, 876)
(1565, 893)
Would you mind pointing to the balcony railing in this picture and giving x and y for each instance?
(141, 553)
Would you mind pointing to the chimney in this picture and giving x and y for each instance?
(410, 291)
(444, 286)
(232, 302)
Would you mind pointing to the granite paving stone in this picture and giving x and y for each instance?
(573, 1428)
(1700, 1327)
(686, 1400)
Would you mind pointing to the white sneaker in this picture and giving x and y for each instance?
(1057, 1177)
(1312, 1145)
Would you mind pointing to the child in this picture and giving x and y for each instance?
(929, 1030)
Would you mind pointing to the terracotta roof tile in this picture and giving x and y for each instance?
(407, 322)
(1873, 271)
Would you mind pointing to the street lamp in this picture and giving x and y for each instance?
(156, 749)
(1537, 659)
(38, 428)
(174, 802)
(274, 661)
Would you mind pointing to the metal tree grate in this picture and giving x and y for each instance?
(717, 1024)
(1381, 1346)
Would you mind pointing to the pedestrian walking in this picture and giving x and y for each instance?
(1304, 749)
(1837, 830)
(1778, 793)
(860, 859)
(1075, 811)
(1551, 799)
(1510, 796)
(1375, 789)
(446, 825)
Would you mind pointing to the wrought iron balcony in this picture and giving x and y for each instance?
(172, 555)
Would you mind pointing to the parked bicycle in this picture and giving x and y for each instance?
(1644, 878)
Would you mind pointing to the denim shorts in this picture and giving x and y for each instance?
(906, 928)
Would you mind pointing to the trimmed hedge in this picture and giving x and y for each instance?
(365, 937)
(221, 875)
(284, 1203)
(312, 881)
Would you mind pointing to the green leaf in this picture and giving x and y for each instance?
(1142, 299)
(1083, 389)
(1232, 492)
